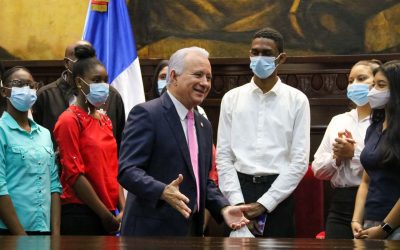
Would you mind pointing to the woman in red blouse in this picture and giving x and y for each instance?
(88, 154)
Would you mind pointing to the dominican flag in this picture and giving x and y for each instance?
(109, 29)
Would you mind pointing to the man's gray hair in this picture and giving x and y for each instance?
(176, 62)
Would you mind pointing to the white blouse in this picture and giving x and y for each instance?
(349, 173)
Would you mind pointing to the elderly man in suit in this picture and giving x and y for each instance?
(165, 157)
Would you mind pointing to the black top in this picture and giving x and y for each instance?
(384, 186)
(53, 99)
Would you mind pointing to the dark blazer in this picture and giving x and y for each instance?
(153, 152)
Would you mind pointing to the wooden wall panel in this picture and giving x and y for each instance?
(322, 78)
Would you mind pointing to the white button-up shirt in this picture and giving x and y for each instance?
(263, 134)
(182, 112)
(349, 173)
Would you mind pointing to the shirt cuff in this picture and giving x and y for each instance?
(333, 164)
(268, 202)
(56, 190)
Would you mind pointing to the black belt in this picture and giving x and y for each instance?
(257, 178)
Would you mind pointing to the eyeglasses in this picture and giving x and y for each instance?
(22, 83)
(69, 59)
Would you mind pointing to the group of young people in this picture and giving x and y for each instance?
(359, 154)
(72, 186)
(73, 191)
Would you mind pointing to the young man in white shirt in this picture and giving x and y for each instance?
(264, 140)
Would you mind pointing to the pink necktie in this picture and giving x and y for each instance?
(192, 141)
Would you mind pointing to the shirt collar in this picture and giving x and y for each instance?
(354, 115)
(12, 123)
(275, 89)
(180, 108)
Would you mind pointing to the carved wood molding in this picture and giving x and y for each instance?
(322, 78)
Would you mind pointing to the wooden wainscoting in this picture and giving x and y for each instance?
(322, 78)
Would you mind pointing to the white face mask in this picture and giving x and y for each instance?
(378, 98)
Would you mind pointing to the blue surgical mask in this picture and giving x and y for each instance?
(262, 66)
(22, 98)
(161, 85)
(358, 93)
(98, 93)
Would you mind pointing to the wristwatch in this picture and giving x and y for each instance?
(387, 228)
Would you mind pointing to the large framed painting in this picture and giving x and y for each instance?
(225, 27)
(41, 29)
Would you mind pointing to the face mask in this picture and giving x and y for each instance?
(262, 66)
(378, 98)
(358, 93)
(98, 93)
(22, 98)
(160, 85)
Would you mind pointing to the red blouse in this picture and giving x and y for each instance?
(87, 146)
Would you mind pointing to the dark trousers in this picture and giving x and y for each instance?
(338, 222)
(194, 223)
(280, 222)
(79, 219)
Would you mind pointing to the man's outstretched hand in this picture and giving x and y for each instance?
(175, 198)
(234, 216)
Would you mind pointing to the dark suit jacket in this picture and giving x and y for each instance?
(153, 152)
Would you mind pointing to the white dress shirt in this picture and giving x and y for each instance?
(182, 112)
(349, 173)
(263, 134)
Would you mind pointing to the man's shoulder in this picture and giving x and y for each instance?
(114, 91)
(237, 90)
(114, 98)
(48, 87)
(298, 94)
(149, 106)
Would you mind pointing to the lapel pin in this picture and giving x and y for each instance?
(201, 124)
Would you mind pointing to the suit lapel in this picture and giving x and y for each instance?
(174, 122)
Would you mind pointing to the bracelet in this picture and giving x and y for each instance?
(355, 221)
